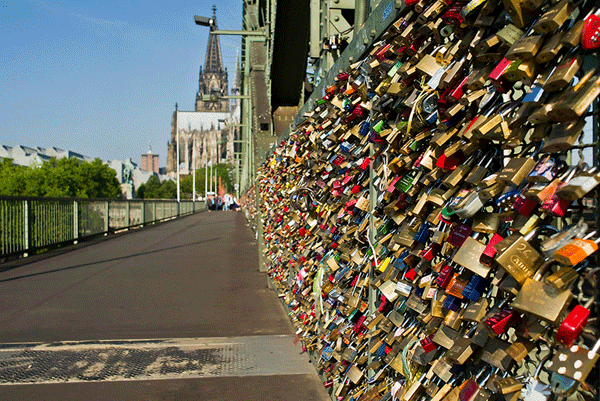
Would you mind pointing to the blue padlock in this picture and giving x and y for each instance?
(423, 234)
(365, 128)
(474, 288)
(452, 303)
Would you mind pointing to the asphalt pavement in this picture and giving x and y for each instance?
(175, 311)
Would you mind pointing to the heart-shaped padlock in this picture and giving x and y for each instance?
(590, 34)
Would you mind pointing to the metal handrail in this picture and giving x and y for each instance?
(29, 224)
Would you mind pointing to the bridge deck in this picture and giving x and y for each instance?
(175, 311)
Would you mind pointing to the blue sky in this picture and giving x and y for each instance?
(102, 77)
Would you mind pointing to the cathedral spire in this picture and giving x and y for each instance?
(213, 78)
(214, 62)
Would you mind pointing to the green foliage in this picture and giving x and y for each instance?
(154, 189)
(221, 170)
(63, 178)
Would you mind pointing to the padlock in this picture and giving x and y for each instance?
(487, 256)
(562, 277)
(572, 326)
(577, 99)
(519, 15)
(518, 168)
(563, 73)
(459, 234)
(526, 47)
(468, 256)
(500, 322)
(545, 169)
(444, 276)
(576, 250)
(459, 173)
(518, 257)
(481, 169)
(579, 185)
(590, 31)
(462, 349)
(560, 239)
(553, 18)
(468, 204)
(474, 385)
(475, 288)
(575, 362)
(521, 70)
(542, 300)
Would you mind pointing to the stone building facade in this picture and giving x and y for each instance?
(205, 134)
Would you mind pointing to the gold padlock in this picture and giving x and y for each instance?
(552, 19)
(563, 74)
(525, 48)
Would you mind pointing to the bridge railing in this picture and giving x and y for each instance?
(29, 224)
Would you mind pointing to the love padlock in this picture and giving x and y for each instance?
(572, 326)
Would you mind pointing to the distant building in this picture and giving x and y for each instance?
(205, 135)
(150, 161)
(26, 156)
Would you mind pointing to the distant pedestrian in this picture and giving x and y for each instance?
(226, 202)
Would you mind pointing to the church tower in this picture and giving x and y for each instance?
(213, 80)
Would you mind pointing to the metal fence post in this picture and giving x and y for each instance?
(143, 211)
(26, 232)
(75, 221)
(127, 216)
(106, 218)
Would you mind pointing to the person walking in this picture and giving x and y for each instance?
(226, 201)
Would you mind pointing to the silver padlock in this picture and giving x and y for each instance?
(467, 205)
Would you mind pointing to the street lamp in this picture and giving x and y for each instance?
(203, 21)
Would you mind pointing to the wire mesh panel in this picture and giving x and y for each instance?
(117, 215)
(135, 213)
(92, 217)
(12, 225)
(50, 222)
(150, 212)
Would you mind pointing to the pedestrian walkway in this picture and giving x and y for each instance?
(177, 311)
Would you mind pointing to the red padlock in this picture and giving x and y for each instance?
(524, 205)
(496, 76)
(501, 321)
(443, 279)
(556, 206)
(487, 256)
(411, 275)
(572, 326)
(590, 34)
(428, 344)
(459, 234)
(452, 15)
(381, 53)
(430, 251)
(450, 163)
(343, 76)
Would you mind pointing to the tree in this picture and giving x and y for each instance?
(60, 178)
(154, 189)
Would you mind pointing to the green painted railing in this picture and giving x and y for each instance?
(30, 224)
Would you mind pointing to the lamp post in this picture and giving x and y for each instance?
(178, 183)
(194, 169)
